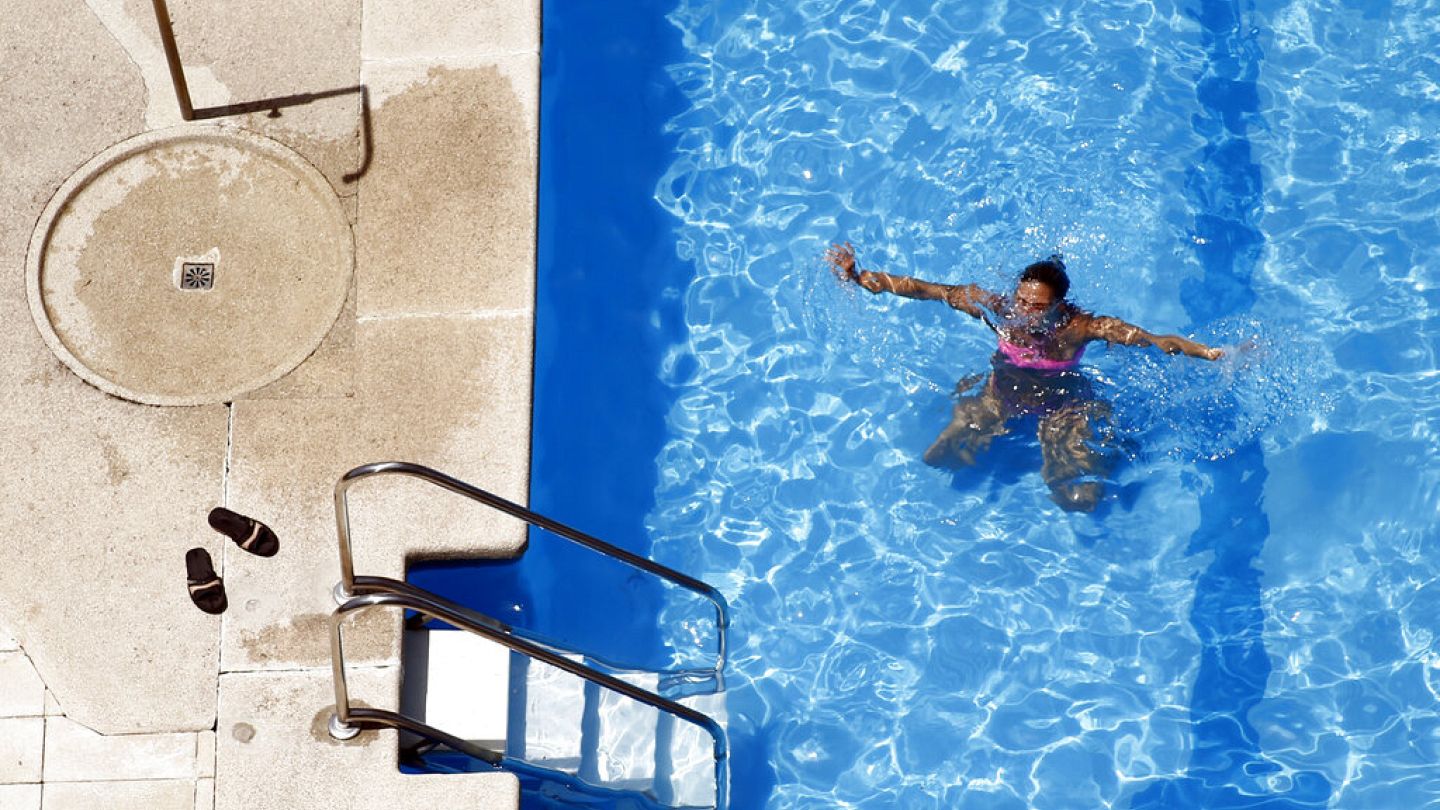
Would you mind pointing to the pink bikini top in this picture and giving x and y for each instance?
(1027, 357)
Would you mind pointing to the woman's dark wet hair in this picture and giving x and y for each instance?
(1051, 273)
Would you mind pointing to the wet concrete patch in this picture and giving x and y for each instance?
(305, 640)
(448, 208)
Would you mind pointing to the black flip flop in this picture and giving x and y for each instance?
(207, 590)
(248, 533)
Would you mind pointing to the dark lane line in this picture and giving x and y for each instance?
(1227, 768)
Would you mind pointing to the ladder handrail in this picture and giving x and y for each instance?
(346, 587)
(365, 585)
(347, 718)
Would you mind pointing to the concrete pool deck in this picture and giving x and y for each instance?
(115, 690)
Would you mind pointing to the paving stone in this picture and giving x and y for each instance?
(447, 210)
(412, 29)
(205, 754)
(53, 121)
(205, 794)
(153, 794)
(22, 693)
(481, 365)
(20, 797)
(274, 717)
(22, 742)
(136, 34)
(111, 494)
(74, 753)
(449, 393)
(452, 394)
(285, 460)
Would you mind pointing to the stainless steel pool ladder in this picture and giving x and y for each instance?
(352, 585)
(347, 721)
(357, 593)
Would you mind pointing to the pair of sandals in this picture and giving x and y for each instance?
(207, 589)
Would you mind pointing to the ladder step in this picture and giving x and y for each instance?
(458, 683)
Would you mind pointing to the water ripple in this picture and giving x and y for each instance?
(913, 640)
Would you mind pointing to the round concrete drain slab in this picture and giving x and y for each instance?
(190, 265)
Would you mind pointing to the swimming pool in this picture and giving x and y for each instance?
(1251, 617)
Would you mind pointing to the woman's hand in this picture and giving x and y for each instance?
(842, 262)
(1174, 344)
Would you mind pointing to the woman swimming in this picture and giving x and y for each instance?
(1040, 339)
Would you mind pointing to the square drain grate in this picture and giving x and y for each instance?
(197, 276)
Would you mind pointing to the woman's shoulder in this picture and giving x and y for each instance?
(1076, 317)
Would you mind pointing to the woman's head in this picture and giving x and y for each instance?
(1039, 295)
(1051, 273)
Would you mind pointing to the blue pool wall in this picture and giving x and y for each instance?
(607, 304)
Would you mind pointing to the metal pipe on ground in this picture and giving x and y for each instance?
(172, 58)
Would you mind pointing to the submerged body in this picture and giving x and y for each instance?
(1073, 426)
(1035, 370)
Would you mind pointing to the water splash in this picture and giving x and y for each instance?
(1191, 409)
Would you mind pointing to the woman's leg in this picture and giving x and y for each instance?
(1073, 455)
(975, 422)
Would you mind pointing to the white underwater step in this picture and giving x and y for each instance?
(616, 744)
(692, 752)
(602, 736)
(554, 713)
(459, 683)
(625, 745)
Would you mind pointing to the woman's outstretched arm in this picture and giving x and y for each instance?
(967, 298)
(1115, 330)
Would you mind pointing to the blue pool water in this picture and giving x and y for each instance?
(1249, 620)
